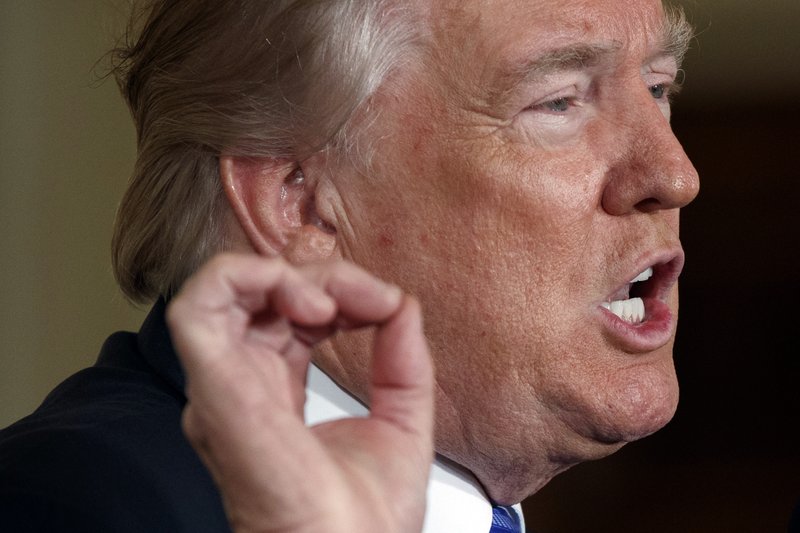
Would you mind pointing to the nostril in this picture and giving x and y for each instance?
(648, 205)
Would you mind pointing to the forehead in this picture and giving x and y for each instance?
(500, 29)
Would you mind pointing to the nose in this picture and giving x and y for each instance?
(653, 173)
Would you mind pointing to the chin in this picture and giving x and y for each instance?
(637, 403)
(620, 398)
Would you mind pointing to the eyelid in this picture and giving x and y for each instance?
(663, 64)
(575, 94)
(558, 84)
(571, 101)
(671, 81)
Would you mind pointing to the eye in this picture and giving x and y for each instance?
(659, 91)
(559, 105)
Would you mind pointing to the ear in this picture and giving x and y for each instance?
(273, 201)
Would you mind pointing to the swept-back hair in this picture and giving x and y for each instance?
(259, 78)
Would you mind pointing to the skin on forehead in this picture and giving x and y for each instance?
(559, 42)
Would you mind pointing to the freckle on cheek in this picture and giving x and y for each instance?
(385, 240)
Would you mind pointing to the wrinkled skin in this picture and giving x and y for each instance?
(512, 206)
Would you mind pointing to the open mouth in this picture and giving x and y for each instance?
(637, 314)
(628, 303)
(633, 302)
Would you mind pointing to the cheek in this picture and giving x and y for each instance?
(556, 193)
(548, 222)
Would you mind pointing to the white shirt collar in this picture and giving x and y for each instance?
(456, 501)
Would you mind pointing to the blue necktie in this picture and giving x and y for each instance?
(505, 520)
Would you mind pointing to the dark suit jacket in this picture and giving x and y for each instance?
(105, 451)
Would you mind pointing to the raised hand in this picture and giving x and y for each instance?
(244, 327)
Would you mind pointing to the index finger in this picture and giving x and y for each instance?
(361, 298)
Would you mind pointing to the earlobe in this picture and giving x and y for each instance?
(274, 202)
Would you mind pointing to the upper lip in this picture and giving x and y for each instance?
(667, 265)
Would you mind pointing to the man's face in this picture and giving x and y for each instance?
(524, 172)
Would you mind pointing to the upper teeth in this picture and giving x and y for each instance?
(632, 309)
(644, 276)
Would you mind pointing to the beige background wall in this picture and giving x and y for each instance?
(66, 150)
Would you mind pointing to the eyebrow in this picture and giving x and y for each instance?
(675, 37)
(574, 57)
(677, 33)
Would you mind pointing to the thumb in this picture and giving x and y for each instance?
(402, 374)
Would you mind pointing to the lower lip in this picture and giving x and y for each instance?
(654, 332)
